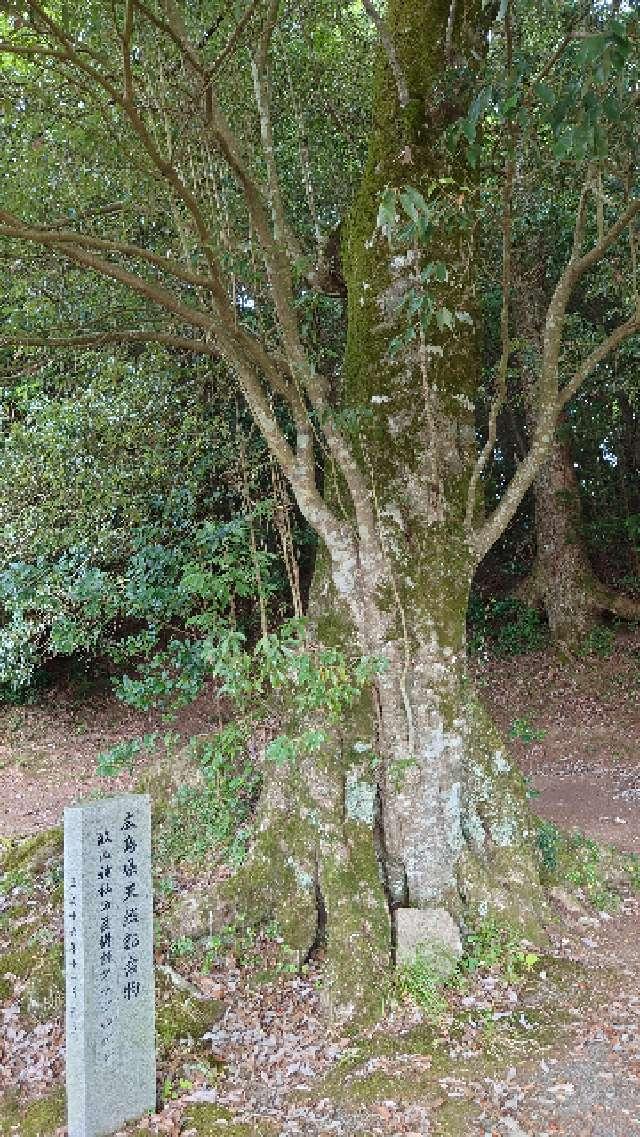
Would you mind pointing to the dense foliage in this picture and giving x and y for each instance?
(132, 516)
(128, 511)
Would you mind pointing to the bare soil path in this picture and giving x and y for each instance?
(49, 751)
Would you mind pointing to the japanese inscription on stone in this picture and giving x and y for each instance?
(109, 964)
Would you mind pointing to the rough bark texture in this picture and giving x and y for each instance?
(438, 820)
(563, 583)
(418, 444)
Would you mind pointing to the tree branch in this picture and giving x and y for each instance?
(503, 365)
(16, 229)
(390, 51)
(126, 52)
(124, 336)
(149, 289)
(252, 11)
(599, 353)
(579, 265)
(250, 361)
(550, 399)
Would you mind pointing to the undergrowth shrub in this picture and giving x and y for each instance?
(600, 641)
(504, 626)
(211, 817)
(490, 947)
(132, 514)
(524, 730)
(423, 983)
(578, 862)
(282, 678)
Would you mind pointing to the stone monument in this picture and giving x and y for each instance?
(110, 995)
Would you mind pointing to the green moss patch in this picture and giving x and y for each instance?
(42, 971)
(471, 1045)
(185, 1019)
(43, 996)
(19, 964)
(39, 1119)
(31, 854)
(211, 1121)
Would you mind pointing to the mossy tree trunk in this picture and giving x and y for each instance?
(415, 804)
(411, 800)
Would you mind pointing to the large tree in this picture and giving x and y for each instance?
(563, 583)
(411, 801)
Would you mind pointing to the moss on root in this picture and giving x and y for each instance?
(210, 1120)
(31, 854)
(40, 1118)
(499, 873)
(358, 937)
(185, 1019)
(276, 881)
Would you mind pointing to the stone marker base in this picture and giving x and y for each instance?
(431, 933)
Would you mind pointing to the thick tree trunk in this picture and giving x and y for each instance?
(563, 583)
(418, 444)
(414, 803)
(629, 467)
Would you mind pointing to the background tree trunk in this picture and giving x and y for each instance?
(629, 467)
(562, 583)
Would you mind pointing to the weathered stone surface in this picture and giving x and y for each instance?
(109, 964)
(431, 932)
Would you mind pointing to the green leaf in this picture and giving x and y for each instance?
(413, 203)
(313, 740)
(398, 342)
(435, 270)
(592, 48)
(387, 214)
(414, 302)
(477, 109)
(444, 318)
(281, 750)
(545, 94)
(473, 153)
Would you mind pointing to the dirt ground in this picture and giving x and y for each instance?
(577, 731)
(49, 751)
(586, 765)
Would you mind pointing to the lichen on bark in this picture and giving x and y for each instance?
(449, 827)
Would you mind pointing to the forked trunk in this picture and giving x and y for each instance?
(563, 583)
(414, 803)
